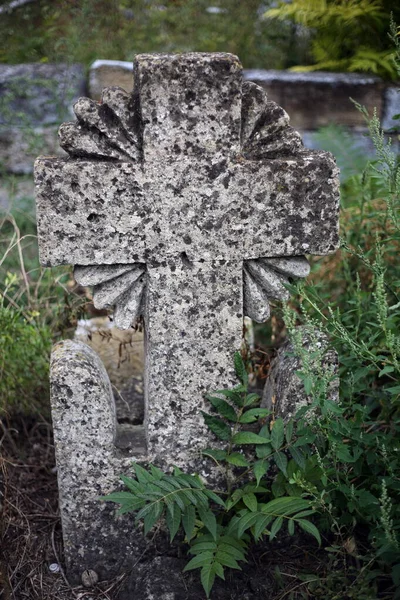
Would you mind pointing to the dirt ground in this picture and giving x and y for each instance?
(31, 544)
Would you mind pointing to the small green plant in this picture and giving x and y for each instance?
(219, 525)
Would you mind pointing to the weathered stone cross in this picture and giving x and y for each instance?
(175, 200)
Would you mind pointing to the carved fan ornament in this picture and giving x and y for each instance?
(104, 131)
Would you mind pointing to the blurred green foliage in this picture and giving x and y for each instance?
(345, 35)
(90, 29)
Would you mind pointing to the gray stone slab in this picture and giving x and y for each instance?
(284, 391)
(392, 108)
(88, 464)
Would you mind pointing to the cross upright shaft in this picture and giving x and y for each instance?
(174, 188)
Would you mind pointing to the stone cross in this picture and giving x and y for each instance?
(190, 202)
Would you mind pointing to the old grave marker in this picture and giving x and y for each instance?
(167, 196)
(189, 202)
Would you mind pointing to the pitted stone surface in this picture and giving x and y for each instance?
(187, 339)
(84, 423)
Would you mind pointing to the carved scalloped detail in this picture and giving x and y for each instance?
(264, 279)
(266, 132)
(121, 287)
(103, 129)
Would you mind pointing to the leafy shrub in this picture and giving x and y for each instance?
(346, 35)
(24, 363)
(36, 307)
(357, 442)
(219, 530)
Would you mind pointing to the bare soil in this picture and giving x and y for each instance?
(30, 542)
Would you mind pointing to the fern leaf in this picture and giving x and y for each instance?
(173, 519)
(188, 521)
(154, 514)
(205, 558)
(209, 521)
(207, 577)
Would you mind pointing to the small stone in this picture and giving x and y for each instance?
(89, 578)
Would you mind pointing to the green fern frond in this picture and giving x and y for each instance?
(180, 498)
(314, 13)
(213, 555)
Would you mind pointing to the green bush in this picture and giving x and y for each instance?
(36, 307)
(346, 35)
(24, 363)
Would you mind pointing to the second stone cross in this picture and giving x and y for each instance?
(190, 202)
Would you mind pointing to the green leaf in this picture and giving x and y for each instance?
(247, 437)
(235, 395)
(215, 453)
(173, 519)
(246, 521)
(240, 369)
(250, 501)
(253, 414)
(188, 521)
(237, 459)
(290, 526)
(131, 484)
(232, 550)
(119, 497)
(308, 384)
(209, 521)
(205, 558)
(251, 398)
(219, 570)
(225, 410)
(289, 431)
(153, 516)
(281, 461)
(264, 450)
(214, 497)
(287, 505)
(207, 577)
(343, 454)
(276, 526)
(142, 475)
(261, 524)
(277, 434)
(234, 499)
(309, 528)
(298, 457)
(260, 468)
(156, 472)
(309, 438)
(218, 427)
(227, 560)
(201, 546)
